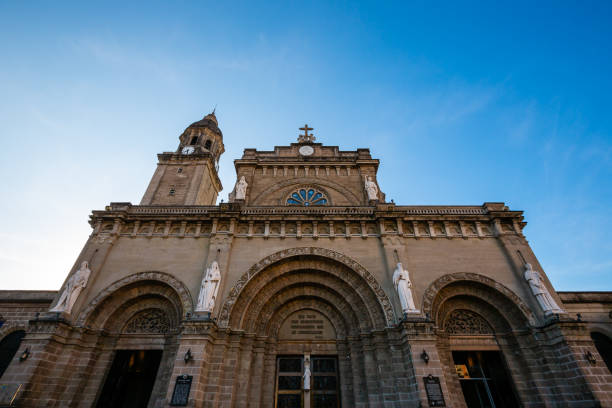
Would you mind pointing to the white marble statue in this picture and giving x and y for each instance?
(209, 289)
(403, 286)
(371, 189)
(241, 187)
(307, 375)
(546, 301)
(76, 283)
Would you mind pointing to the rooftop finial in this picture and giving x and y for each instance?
(306, 138)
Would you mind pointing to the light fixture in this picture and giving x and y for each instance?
(188, 356)
(24, 356)
(590, 357)
(425, 356)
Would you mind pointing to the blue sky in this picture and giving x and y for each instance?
(462, 102)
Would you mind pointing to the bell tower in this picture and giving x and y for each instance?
(189, 175)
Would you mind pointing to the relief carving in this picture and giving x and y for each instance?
(462, 321)
(148, 321)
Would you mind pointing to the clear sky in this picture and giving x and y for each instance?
(463, 102)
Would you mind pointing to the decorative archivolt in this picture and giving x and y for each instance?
(462, 321)
(493, 288)
(172, 284)
(234, 293)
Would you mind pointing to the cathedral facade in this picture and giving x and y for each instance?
(306, 289)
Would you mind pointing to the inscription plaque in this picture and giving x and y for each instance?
(307, 325)
(180, 396)
(434, 391)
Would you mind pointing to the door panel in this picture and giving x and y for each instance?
(325, 385)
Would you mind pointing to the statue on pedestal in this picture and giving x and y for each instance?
(371, 188)
(403, 286)
(240, 190)
(76, 283)
(307, 374)
(209, 289)
(540, 291)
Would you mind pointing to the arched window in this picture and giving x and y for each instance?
(194, 140)
(307, 197)
(603, 344)
(208, 144)
(8, 347)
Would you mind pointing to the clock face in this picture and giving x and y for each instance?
(306, 150)
(188, 150)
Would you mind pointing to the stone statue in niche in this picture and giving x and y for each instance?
(371, 188)
(403, 286)
(307, 374)
(209, 289)
(76, 283)
(540, 291)
(241, 187)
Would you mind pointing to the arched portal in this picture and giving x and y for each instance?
(140, 317)
(313, 310)
(604, 347)
(8, 348)
(477, 321)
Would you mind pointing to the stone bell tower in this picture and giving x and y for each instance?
(189, 175)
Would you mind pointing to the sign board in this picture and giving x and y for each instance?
(462, 371)
(180, 396)
(307, 325)
(434, 391)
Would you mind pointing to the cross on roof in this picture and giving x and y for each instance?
(306, 138)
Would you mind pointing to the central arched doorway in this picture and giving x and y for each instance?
(312, 311)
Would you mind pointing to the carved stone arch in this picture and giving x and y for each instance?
(121, 316)
(363, 275)
(314, 285)
(9, 328)
(174, 285)
(600, 328)
(478, 286)
(305, 293)
(318, 182)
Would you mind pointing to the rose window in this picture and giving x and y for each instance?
(307, 196)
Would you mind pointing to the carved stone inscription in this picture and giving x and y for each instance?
(307, 325)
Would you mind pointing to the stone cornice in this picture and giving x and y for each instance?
(27, 296)
(236, 219)
(236, 209)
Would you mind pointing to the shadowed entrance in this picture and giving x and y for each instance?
(130, 380)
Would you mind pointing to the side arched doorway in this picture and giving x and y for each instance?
(313, 311)
(603, 344)
(140, 317)
(8, 348)
(476, 326)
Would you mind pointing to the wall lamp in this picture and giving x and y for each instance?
(188, 356)
(24, 356)
(425, 356)
(590, 357)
